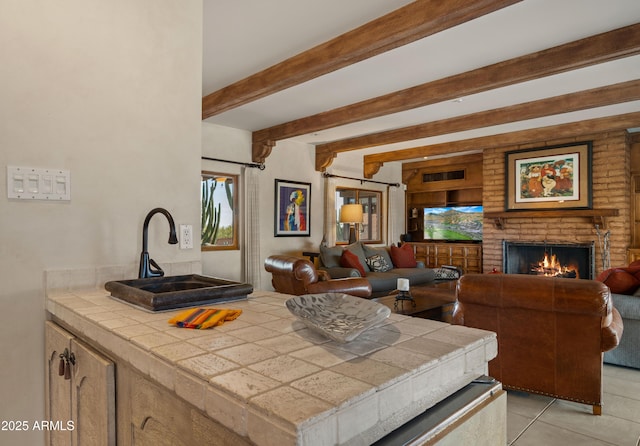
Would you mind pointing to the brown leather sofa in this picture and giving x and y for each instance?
(293, 275)
(552, 332)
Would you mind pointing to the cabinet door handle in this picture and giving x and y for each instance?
(61, 366)
(63, 362)
(66, 361)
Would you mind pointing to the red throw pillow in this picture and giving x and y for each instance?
(350, 260)
(619, 281)
(403, 257)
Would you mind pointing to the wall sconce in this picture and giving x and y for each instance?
(351, 214)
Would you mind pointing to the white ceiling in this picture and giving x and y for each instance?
(244, 37)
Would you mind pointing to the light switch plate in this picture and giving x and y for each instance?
(32, 183)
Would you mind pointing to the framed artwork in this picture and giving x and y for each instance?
(292, 209)
(554, 177)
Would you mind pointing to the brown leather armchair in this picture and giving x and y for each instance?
(552, 332)
(293, 275)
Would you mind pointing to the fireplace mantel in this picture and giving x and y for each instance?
(598, 216)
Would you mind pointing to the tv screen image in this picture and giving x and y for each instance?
(453, 223)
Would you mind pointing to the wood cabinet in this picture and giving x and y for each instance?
(150, 415)
(467, 256)
(87, 412)
(455, 181)
(80, 391)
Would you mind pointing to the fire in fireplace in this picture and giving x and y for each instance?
(570, 260)
(550, 266)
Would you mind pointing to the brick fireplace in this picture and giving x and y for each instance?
(611, 189)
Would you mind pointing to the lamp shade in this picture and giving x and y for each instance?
(351, 213)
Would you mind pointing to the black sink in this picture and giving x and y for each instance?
(168, 293)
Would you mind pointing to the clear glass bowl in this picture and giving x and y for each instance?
(338, 316)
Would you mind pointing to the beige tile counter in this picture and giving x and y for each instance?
(271, 380)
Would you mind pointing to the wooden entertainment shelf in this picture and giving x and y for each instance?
(467, 256)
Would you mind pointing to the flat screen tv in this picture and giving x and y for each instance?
(453, 223)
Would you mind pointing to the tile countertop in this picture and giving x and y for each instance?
(267, 377)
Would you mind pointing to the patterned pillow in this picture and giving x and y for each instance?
(446, 273)
(378, 263)
(380, 250)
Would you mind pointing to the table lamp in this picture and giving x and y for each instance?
(351, 214)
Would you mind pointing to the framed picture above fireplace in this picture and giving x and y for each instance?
(553, 177)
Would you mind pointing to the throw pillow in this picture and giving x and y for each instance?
(377, 263)
(330, 257)
(403, 257)
(350, 260)
(619, 280)
(447, 273)
(357, 249)
(380, 250)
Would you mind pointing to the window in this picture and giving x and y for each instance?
(219, 211)
(370, 231)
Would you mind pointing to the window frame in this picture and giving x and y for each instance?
(207, 175)
(357, 199)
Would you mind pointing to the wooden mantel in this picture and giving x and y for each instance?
(597, 215)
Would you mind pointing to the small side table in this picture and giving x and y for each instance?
(312, 255)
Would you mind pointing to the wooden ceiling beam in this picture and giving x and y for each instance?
(582, 100)
(373, 163)
(608, 46)
(412, 22)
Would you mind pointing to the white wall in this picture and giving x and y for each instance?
(110, 90)
(295, 162)
(228, 144)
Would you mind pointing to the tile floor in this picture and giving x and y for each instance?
(538, 420)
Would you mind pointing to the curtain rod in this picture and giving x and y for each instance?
(362, 180)
(260, 166)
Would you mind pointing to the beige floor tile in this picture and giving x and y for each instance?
(542, 434)
(516, 424)
(623, 387)
(623, 407)
(528, 405)
(539, 420)
(522, 410)
(625, 373)
(578, 418)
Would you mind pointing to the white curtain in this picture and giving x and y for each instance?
(251, 245)
(330, 217)
(395, 196)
